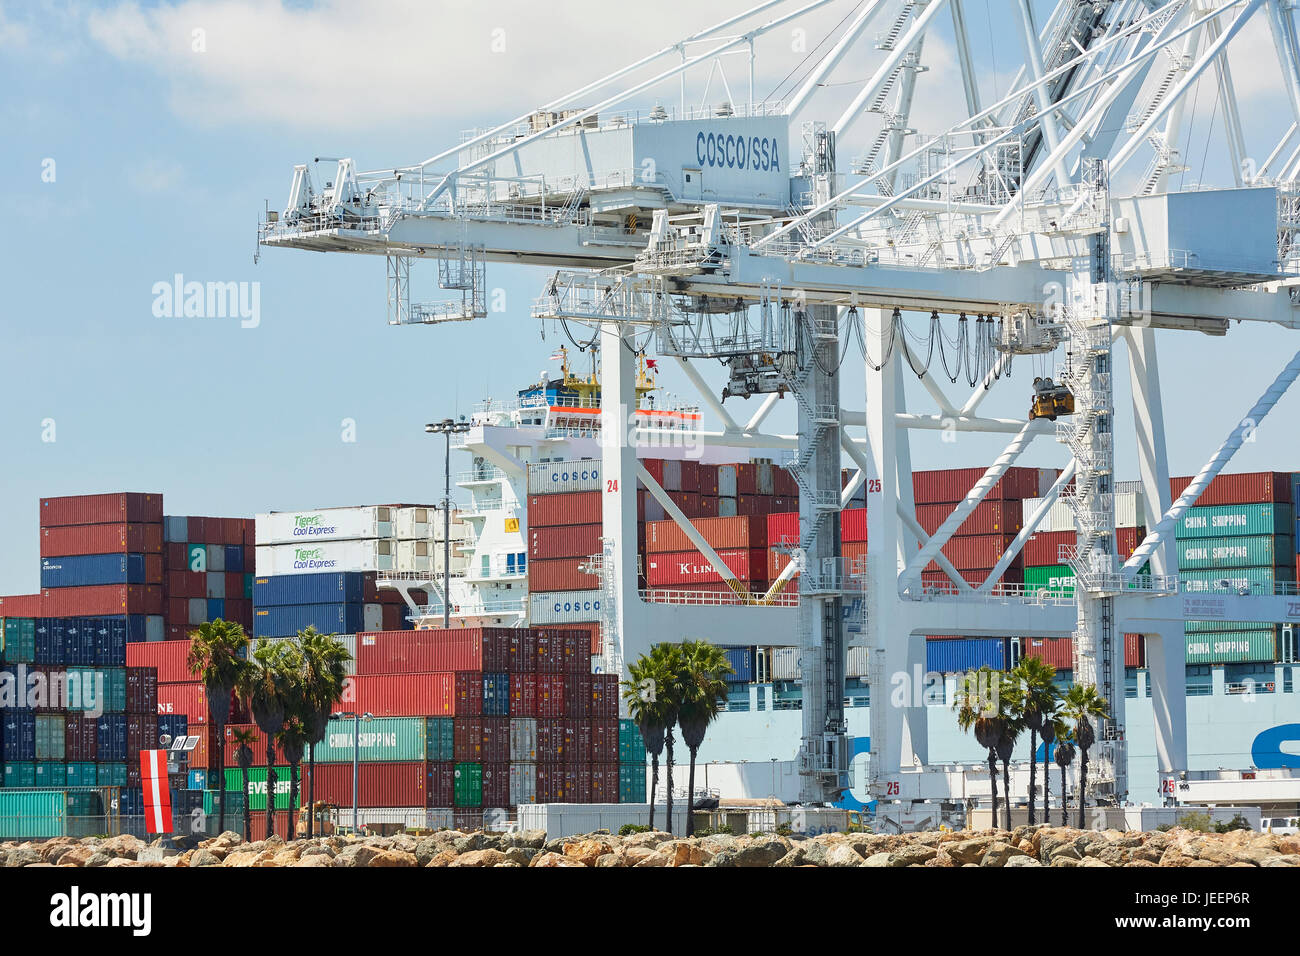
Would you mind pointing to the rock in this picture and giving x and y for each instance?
(155, 854)
(123, 845)
(999, 852)
(479, 858)
(656, 858)
(912, 856)
(1175, 857)
(469, 843)
(55, 853)
(314, 859)
(844, 855)
(395, 858)
(968, 851)
(444, 858)
(651, 838)
(1287, 859)
(877, 859)
(286, 857)
(532, 839)
(317, 849)
(1025, 860)
(523, 855)
(1093, 861)
(1145, 854)
(553, 859)
(1288, 845)
(587, 852)
(796, 857)
(247, 858)
(204, 857)
(762, 852)
(1063, 860)
(74, 856)
(632, 855)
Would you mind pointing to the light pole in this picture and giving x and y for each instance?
(447, 427)
(356, 759)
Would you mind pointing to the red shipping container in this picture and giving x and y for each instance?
(101, 509)
(706, 479)
(189, 698)
(550, 783)
(563, 650)
(989, 517)
(21, 605)
(776, 562)
(688, 503)
(977, 552)
(167, 657)
(591, 641)
(708, 507)
(196, 529)
(746, 479)
(1043, 547)
(496, 739)
(853, 524)
(469, 694)
(568, 508)
(604, 741)
(560, 574)
(523, 651)
(690, 567)
(382, 784)
(953, 484)
(240, 610)
(577, 740)
(69, 540)
(739, 532)
(551, 746)
(974, 577)
(577, 783)
(577, 696)
(175, 556)
(177, 611)
(550, 695)
(440, 786)
(604, 695)
(604, 782)
(784, 525)
(467, 739)
(564, 541)
(404, 695)
(232, 530)
(258, 747)
(854, 552)
(523, 695)
(496, 784)
(1056, 651)
(1135, 650)
(141, 734)
(434, 649)
(204, 754)
(1248, 488)
(102, 600)
(80, 737)
(142, 691)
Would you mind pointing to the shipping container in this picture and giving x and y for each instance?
(1239, 580)
(523, 739)
(440, 784)
(496, 694)
(563, 607)
(166, 657)
(632, 783)
(19, 644)
(560, 574)
(950, 655)
(101, 539)
(549, 695)
(1135, 648)
(563, 477)
(523, 695)
(631, 745)
(575, 508)
(101, 509)
(749, 565)
(1243, 519)
(1232, 648)
(102, 601)
(742, 532)
(1130, 512)
(952, 485)
(741, 660)
(256, 794)
(328, 588)
(440, 739)
(523, 652)
(93, 570)
(315, 557)
(327, 524)
(496, 784)
(259, 747)
(407, 695)
(50, 740)
(604, 740)
(564, 541)
(287, 620)
(1266, 487)
(1056, 577)
(523, 783)
(469, 785)
(563, 650)
(384, 739)
(435, 649)
(1055, 651)
(21, 605)
(32, 815)
(1234, 552)
(977, 553)
(989, 517)
(1043, 548)
(81, 737)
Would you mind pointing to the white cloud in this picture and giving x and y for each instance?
(156, 176)
(12, 33)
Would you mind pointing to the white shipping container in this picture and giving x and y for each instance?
(198, 610)
(763, 478)
(523, 783)
(216, 557)
(411, 817)
(427, 555)
(216, 584)
(1129, 512)
(523, 740)
(554, 477)
(727, 508)
(424, 522)
(570, 819)
(314, 557)
(855, 664)
(727, 481)
(323, 524)
(349, 641)
(564, 607)
(785, 663)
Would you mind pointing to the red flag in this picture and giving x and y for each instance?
(157, 793)
(651, 363)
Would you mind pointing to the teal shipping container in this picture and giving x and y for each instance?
(388, 739)
(1254, 551)
(82, 774)
(1211, 627)
(1219, 521)
(631, 783)
(37, 814)
(20, 773)
(234, 807)
(1230, 580)
(106, 684)
(50, 737)
(110, 775)
(440, 740)
(1228, 648)
(631, 746)
(19, 640)
(50, 774)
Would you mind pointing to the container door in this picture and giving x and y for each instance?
(692, 183)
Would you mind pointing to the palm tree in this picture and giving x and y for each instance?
(293, 741)
(1064, 757)
(1048, 733)
(975, 711)
(1010, 725)
(1083, 705)
(267, 690)
(670, 667)
(244, 756)
(215, 656)
(644, 706)
(324, 673)
(704, 689)
(1036, 703)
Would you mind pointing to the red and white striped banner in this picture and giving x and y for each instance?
(157, 793)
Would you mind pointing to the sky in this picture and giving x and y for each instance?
(143, 140)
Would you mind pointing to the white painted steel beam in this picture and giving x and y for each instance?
(1030, 526)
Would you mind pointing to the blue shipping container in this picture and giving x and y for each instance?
(288, 620)
(496, 695)
(18, 676)
(965, 654)
(79, 642)
(90, 570)
(112, 737)
(18, 735)
(234, 560)
(741, 660)
(198, 780)
(217, 608)
(174, 725)
(329, 588)
(49, 640)
(132, 802)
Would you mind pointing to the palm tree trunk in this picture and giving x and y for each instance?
(668, 743)
(270, 786)
(248, 815)
(1083, 781)
(993, 782)
(1006, 790)
(654, 786)
(293, 797)
(221, 772)
(1047, 785)
(311, 792)
(690, 796)
(1033, 772)
(1065, 803)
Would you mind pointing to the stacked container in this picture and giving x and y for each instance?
(209, 569)
(332, 602)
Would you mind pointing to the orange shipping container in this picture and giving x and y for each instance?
(663, 537)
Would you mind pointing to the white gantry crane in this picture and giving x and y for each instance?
(1047, 222)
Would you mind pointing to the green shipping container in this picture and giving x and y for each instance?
(631, 783)
(1055, 577)
(234, 805)
(1255, 580)
(1235, 627)
(440, 740)
(196, 557)
(20, 774)
(110, 775)
(381, 739)
(469, 785)
(1228, 648)
(631, 746)
(19, 640)
(257, 786)
(248, 587)
(40, 814)
(50, 774)
(1256, 551)
(86, 814)
(50, 737)
(1219, 521)
(82, 774)
(107, 685)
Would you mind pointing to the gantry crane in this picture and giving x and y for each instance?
(734, 230)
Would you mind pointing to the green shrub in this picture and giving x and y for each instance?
(783, 829)
(628, 829)
(1195, 821)
(1238, 822)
